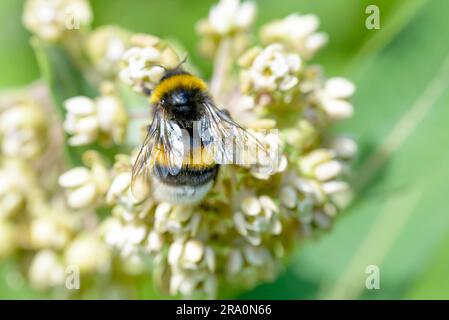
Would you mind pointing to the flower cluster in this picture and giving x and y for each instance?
(80, 215)
(86, 186)
(51, 19)
(270, 70)
(144, 63)
(103, 119)
(298, 32)
(36, 225)
(105, 47)
(23, 129)
(229, 19)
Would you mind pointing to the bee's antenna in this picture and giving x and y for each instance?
(160, 65)
(183, 61)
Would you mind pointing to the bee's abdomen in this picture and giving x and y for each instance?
(188, 175)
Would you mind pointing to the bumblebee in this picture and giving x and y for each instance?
(187, 141)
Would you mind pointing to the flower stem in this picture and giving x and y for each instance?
(222, 67)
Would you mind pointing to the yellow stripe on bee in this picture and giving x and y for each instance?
(196, 158)
(186, 81)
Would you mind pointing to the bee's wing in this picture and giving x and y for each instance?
(230, 143)
(162, 151)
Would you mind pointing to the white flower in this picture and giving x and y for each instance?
(344, 147)
(126, 205)
(333, 98)
(311, 200)
(23, 131)
(271, 162)
(88, 253)
(229, 16)
(176, 219)
(143, 64)
(257, 217)
(84, 187)
(249, 264)
(311, 189)
(272, 69)
(46, 270)
(141, 67)
(296, 31)
(49, 232)
(128, 238)
(105, 47)
(328, 170)
(50, 19)
(255, 256)
(112, 118)
(18, 188)
(88, 120)
(321, 165)
(227, 26)
(192, 267)
(299, 197)
(119, 192)
(189, 254)
(155, 242)
(81, 120)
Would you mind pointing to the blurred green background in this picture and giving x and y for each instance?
(399, 220)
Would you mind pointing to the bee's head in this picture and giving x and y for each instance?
(181, 94)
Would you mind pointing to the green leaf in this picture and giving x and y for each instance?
(434, 284)
(65, 80)
(399, 216)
